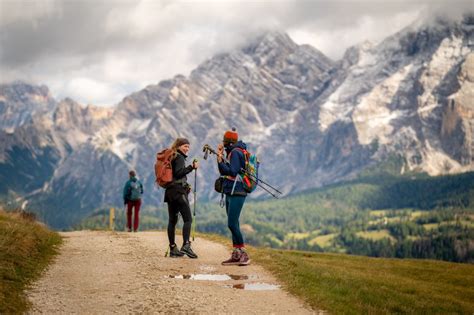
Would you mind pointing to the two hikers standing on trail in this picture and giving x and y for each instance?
(171, 171)
(176, 195)
(132, 198)
(230, 169)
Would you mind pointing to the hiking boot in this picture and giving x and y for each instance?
(129, 230)
(234, 258)
(186, 249)
(175, 252)
(244, 258)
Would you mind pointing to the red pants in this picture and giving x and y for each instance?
(133, 204)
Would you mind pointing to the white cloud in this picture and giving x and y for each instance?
(100, 51)
(77, 87)
(27, 11)
(334, 42)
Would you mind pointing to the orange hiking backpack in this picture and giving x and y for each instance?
(163, 169)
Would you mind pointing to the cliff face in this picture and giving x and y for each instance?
(457, 129)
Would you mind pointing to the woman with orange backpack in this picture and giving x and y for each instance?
(176, 195)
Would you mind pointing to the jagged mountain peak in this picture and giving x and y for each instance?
(322, 121)
(266, 49)
(20, 101)
(68, 109)
(21, 92)
(21, 88)
(268, 41)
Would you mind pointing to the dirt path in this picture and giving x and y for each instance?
(106, 272)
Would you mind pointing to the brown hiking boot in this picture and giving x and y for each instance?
(186, 249)
(234, 258)
(244, 258)
(175, 252)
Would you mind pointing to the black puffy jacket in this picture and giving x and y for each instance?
(179, 185)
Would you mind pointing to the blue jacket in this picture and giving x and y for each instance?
(236, 162)
(127, 189)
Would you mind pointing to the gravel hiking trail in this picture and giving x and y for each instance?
(99, 272)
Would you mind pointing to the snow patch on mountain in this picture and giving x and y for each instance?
(123, 148)
(334, 109)
(372, 116)
(137, 126)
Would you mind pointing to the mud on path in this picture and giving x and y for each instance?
(119, 272)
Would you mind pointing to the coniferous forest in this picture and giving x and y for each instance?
(378, 214)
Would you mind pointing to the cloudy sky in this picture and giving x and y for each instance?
(98, 51)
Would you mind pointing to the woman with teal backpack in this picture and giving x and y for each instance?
(132, 198)
(233, 188)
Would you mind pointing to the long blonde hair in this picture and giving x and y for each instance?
(176, 144)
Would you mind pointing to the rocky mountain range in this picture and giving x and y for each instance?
(312, 121)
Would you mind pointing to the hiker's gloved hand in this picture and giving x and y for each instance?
(125, 202)
(195, 165)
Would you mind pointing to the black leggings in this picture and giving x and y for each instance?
(180, 205)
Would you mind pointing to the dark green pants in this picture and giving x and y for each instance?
(233, 207)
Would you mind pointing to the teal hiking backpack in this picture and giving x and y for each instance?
(249, 175)
(135, 190)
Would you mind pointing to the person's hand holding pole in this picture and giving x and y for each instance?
(220, 152)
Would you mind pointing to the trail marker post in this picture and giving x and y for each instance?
(111, 219)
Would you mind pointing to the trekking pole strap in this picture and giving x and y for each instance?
(222, 201)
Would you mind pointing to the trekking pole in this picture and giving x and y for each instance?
(268, 191)
(195, 192)
(253, 177)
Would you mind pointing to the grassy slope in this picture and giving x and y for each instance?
(353, 284)
(26, 248)
(347, 284)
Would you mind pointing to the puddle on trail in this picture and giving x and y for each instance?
(224, 277)
(254, 286)
(213, 277)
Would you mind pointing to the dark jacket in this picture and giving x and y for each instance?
(127, 189)
(235, 162)
(180, 185)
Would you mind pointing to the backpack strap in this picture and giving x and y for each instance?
(238, 178)
(229, 156)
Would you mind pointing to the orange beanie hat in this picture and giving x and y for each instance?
(231, 136)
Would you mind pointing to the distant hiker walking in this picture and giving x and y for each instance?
(235, 193)
(176, 195)
(132, 198)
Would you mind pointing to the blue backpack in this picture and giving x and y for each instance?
(135, 190)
